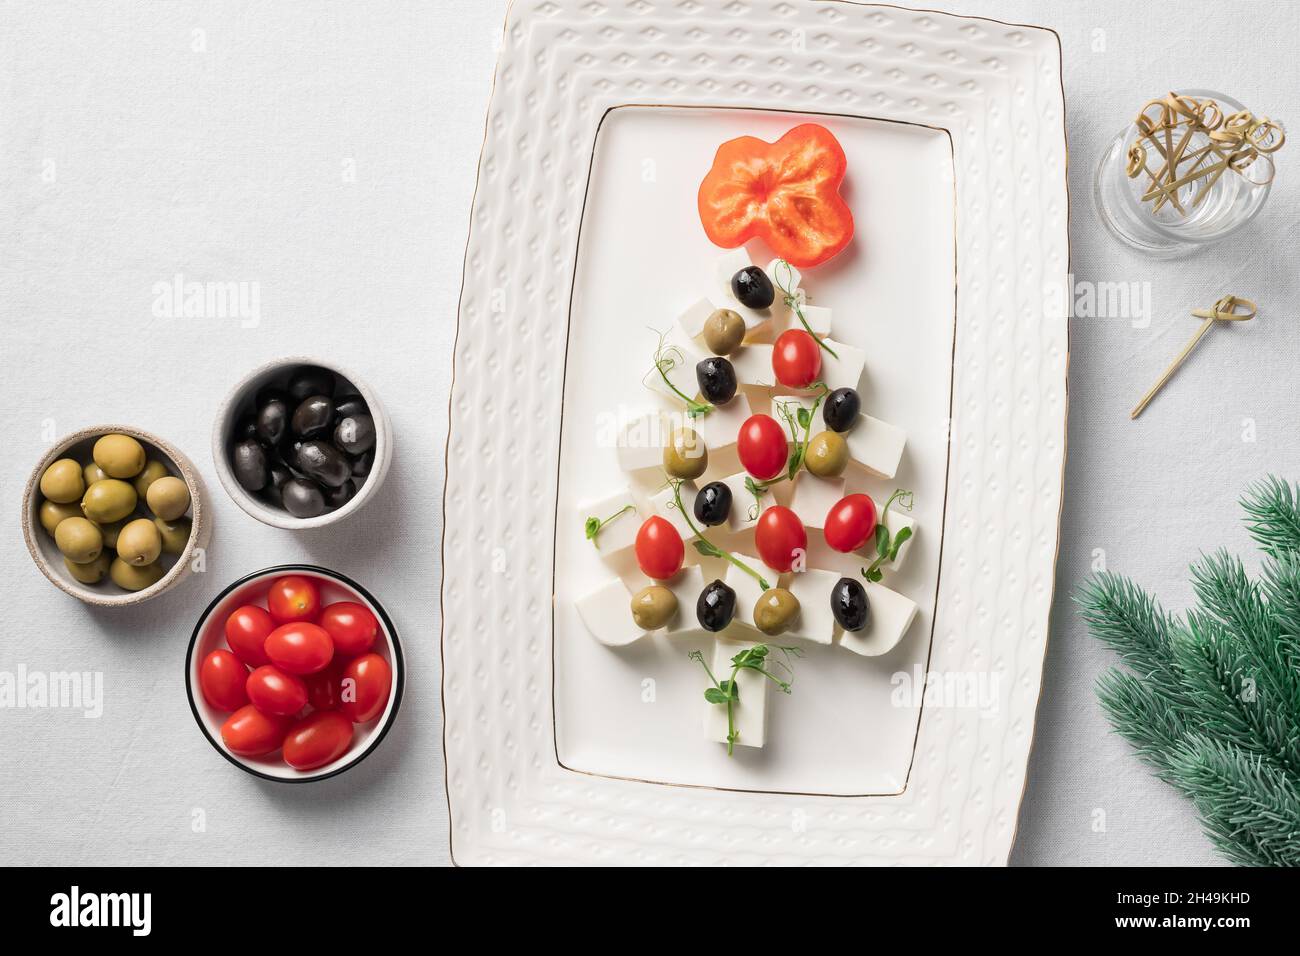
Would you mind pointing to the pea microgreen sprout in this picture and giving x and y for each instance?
(728, 691)
(794, 300)
(594, 524)
(706, 547)
(799, 420)
(887, 547)
(666, 358)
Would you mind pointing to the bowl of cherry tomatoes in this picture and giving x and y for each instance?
(294, 673)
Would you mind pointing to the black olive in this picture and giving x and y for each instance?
(279, 474)
(270, 393)
(245, 428)
(362, 463)
(849, 604)
(302, 498)
(716, 606)
(355, 434)
(840, 411)
(338, 497)
(321, 461)
(717, 379)
(273, 421)
(713, 504)
(752, 288)
(248, 461)
(309, 380)
(350, 405)
(313, 416)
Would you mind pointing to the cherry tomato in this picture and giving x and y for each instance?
(850, 523)
(300, 648)
(293, 598)
(272, 691)
(762, 446)
(659, 549)
(221, 678)
(251, 733)
(319, 738)
(246, 632)
(796, 359)
(323, 687)
(367, 682)
(780, 538)
(352, 626)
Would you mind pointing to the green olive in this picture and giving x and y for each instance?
(828, 454)
(62, 482)
(775, 611)
(724, 330)
(51, 513)
(92, 473)
(79, 540)
(92, 572)
(653, 607)
(139, 543)
(685, 455)
(168, 498)
(121, 456)
(175, 534)
(152, 472)
(108, 500)
(134, 578)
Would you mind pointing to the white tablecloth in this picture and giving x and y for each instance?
(327, 152)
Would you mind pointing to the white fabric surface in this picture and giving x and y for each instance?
(327, 152)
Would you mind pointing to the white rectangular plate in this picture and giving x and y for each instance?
(575, 242)
(643, 258)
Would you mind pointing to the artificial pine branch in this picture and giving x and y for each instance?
(1212, 702)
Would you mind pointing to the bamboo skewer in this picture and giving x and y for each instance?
(1225, 310)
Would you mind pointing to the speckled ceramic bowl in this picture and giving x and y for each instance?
(78, 446)
(240, 401)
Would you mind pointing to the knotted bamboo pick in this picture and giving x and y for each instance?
(1225, 310)
(1233, 142)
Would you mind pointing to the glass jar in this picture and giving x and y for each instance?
(1233, 199)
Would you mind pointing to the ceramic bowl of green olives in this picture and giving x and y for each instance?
(114, 515)
(301, 443)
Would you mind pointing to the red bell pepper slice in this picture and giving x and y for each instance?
(786, 193)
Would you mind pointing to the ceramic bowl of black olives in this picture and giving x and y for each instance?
(301, 443)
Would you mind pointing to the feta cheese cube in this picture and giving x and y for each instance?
(664, 505)
(748, 591)
(812, 589)
(814, 497)
(792, 403)
(678, 356)
(783, 274)
(895, 521)
(641, 442)
(693, 319)
(745, 508)
(753, 364)
(819, 319)
(876, 446)
(749, 713)
(889, 616)
(720, 427)
(620, 533)
(686, 587)
(845, 371)
(607, 613)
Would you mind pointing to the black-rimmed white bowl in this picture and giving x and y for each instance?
(209, 635)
